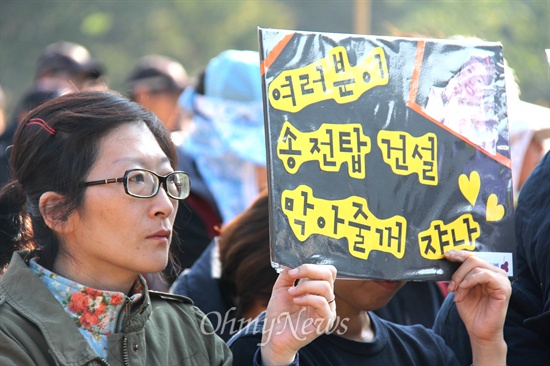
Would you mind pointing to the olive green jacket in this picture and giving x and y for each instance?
(162, 330)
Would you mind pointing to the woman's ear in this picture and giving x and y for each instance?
(53, 212)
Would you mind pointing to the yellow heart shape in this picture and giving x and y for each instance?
(495, 212)
(470, 186)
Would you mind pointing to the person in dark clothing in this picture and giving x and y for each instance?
(198, 220)
(415, 303)
(527, 325)
(232, 280)
(394, 345)
(361, 337)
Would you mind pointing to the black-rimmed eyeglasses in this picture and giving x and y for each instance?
(143, 183)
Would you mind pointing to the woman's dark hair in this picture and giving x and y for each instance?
(57, 156)
(245, 257)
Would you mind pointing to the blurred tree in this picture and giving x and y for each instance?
(118, 32)
(521, 26)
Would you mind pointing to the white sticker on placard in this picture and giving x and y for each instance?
(500, 260)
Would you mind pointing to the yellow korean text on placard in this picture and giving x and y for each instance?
(407, 154)
(461, 234)
(329, 78)
(348, 218)
(330, 145)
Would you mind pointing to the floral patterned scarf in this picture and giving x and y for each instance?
(94, 312)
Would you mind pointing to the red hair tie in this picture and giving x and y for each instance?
(40, 122)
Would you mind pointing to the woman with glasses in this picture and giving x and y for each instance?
(90, 207)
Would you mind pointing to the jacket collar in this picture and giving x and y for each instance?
(26, 293)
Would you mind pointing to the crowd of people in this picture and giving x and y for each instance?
(134, 229)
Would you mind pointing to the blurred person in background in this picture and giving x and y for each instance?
(71, 62)
(156, 82)
(62, 67)
(529, 136)
(529, 129)
(227, 138)
(223, 151)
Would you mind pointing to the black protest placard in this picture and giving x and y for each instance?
(384, 153)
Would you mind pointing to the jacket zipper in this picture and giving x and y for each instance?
(124, 314)
(125, 356)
